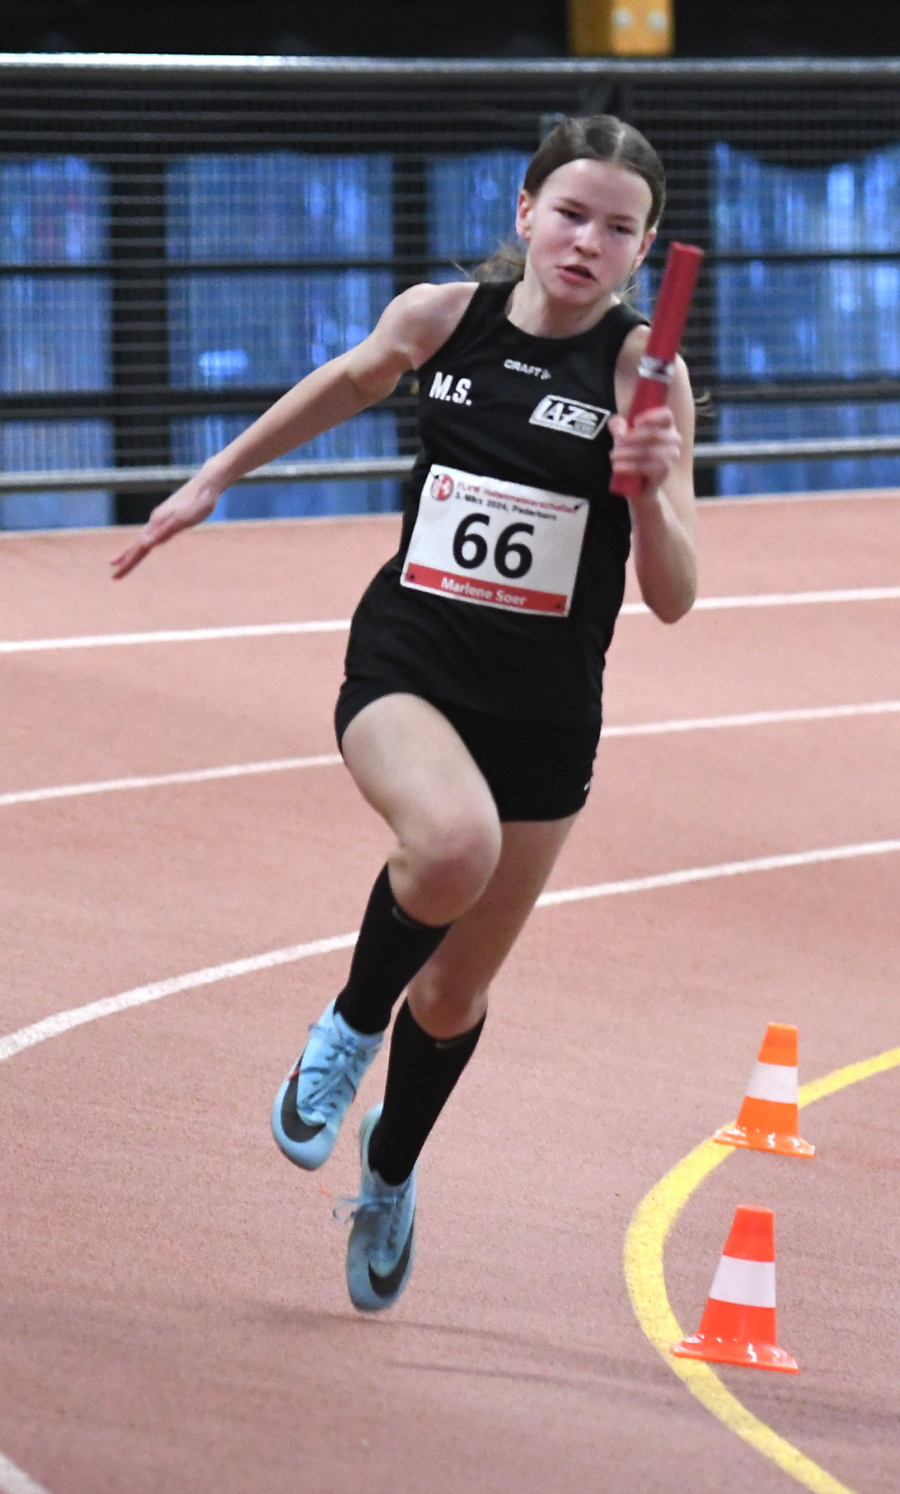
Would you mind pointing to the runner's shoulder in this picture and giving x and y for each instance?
(424, 316)
(632, 350)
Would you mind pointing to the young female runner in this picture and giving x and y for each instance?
(470, 714)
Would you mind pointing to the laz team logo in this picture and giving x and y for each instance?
(571, 416)
(442, 487)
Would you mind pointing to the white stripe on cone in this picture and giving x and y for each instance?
(745, 1283)
(773, 1081)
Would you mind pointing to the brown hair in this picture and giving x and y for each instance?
(598, 137)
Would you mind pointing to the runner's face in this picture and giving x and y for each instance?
(586, 229)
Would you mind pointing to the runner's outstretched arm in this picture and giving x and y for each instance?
(409, 330)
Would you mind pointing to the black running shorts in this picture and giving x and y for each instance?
(535, 770)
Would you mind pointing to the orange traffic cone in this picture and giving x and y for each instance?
(769, 1119)
(738, 1324)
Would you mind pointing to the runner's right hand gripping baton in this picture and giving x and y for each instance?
(657, 365)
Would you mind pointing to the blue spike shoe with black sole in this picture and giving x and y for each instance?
(381, 1247)
(314, 1098)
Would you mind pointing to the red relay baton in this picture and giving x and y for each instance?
(657, 365)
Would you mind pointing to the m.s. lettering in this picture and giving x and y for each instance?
(444, 388)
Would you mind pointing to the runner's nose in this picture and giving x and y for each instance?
(587, 240)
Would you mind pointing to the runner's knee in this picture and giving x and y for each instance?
(447, 865)
(442, 1007)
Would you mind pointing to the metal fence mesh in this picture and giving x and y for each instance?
(181, 241)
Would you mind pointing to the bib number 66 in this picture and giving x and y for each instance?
(470, 547)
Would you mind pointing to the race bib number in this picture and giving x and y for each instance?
(500, 544)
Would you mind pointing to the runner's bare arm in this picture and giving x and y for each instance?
(660, 448)
(409, 331)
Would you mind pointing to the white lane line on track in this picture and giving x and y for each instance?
(334, 759)
(48, 1027)
(752, 718)
(12, 1479)
(340, 625)
(163, 780)
(791, 599)
(174, 635)
(725, 869)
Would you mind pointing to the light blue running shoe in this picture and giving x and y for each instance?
(382, 1241)
(316, 1095)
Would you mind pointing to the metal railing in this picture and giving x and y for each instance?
(149, 479)
(130, 117)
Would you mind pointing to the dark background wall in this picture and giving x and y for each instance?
(433, 28)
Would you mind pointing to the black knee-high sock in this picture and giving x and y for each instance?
(422, 1071)
(391, 948)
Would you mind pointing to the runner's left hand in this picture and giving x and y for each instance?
(650, 448)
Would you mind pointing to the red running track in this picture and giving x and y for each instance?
(171, 1291)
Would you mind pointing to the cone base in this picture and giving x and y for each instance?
(729, 1351)
(764, 1141)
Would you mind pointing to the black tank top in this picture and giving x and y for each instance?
(497, 402)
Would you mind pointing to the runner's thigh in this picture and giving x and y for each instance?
(414, 769)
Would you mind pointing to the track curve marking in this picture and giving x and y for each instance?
(676, 725)
(645, 1275)
(14, 1481)
(108, 1006)
(173, 635)
(341, 625)
(166, 780)
(650, 1224)
(793, 598)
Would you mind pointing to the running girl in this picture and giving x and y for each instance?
(471, 709)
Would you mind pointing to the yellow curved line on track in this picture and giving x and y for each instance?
(644, 1273)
